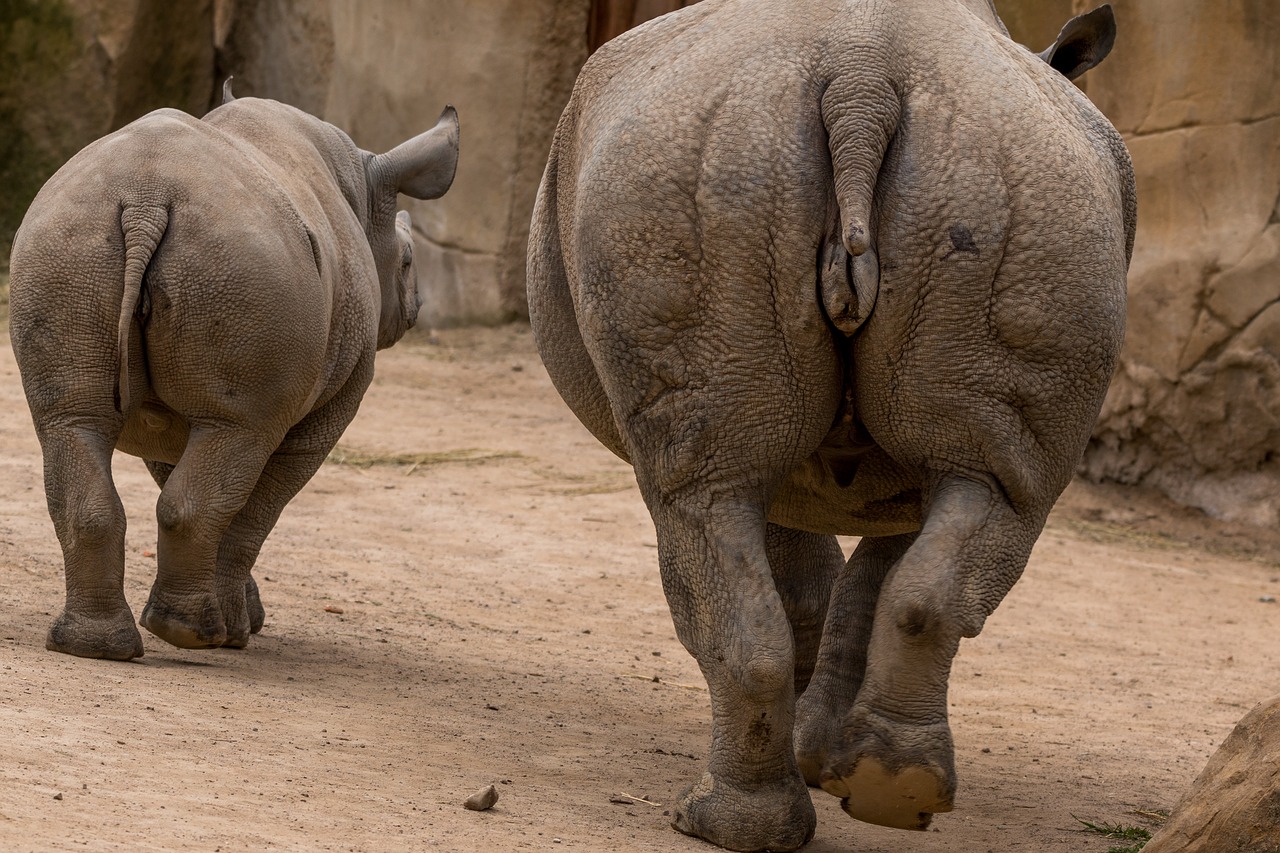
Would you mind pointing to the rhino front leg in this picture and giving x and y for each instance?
(804, 567)
(895, 762)
(217, 473)
(842, 656)
(90, 523)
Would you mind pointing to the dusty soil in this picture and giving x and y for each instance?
(478, 601)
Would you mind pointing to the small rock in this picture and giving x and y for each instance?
(1267, 599)
(329, 608)
(57, 796)
(482, 799)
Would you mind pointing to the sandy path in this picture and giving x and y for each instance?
(502, 621)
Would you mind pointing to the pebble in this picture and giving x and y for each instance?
(482, 799)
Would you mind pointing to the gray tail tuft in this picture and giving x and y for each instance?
(143, 227)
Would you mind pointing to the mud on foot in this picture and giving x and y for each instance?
(906, 799)
(892, 774)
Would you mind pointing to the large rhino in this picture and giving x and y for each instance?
(828, 267)
(207, 294)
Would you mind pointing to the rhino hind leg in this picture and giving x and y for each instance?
(90, 523)
(732, 620)
(290, 467)
(257, 615)
(893, 763)
(201, 496)
(804, 566)
(708, 501)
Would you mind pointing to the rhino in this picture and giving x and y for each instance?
(207, 294)
(834, 267)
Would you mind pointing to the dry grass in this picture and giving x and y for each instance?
(466, 455)
(1119, 533)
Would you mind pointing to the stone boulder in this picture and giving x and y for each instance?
(1234, 804)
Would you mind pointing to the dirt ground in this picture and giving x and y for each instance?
(472, 596)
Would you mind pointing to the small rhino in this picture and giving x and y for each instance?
(206, 294)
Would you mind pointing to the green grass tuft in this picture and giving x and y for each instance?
(1137, 834)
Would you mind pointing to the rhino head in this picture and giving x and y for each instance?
(421, 168)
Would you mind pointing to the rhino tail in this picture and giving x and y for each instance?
(860, 107)
(143, 226)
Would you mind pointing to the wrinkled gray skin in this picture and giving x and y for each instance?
(834, 266)
(207, 294)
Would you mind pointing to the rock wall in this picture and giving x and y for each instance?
(1194, 409)
(74, 70)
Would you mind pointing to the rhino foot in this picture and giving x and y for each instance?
(200, 627)
(777, 816)
(253, 601)
(112, 638)
(817, 729)
(893, 774)
(236, 601)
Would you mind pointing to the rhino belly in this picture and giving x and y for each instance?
(154, 431)
(849, 493)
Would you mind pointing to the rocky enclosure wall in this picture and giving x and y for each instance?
(74, 70)
(1194, 85)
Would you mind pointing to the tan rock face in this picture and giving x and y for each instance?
(1234, 804)
(1195, 406)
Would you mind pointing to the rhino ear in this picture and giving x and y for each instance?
(1083, 43)
(227, 97)
(424, 166)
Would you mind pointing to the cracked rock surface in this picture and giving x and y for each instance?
(1234, 804)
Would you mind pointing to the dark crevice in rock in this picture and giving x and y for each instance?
(1192, 125)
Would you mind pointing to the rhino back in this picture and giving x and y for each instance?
(233, 286)
(694, 182)
(1004, 221)
(693, 190)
